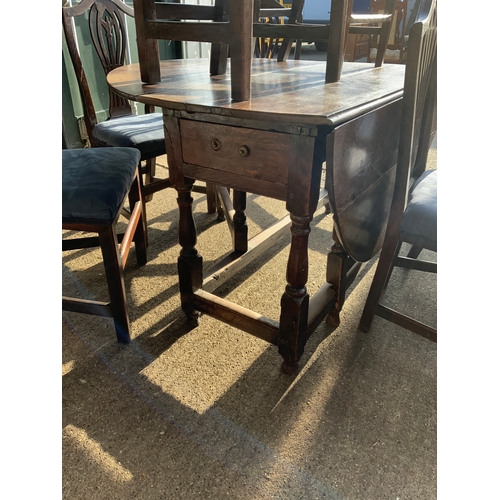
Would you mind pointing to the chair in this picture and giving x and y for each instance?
(106, 20)
(396, 46)
(173, 21)
(273, 12)
(413, 215)
(95, 184)
(332, 36)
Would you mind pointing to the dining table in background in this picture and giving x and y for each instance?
(278, 144)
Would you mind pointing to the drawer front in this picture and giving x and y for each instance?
(251, 153)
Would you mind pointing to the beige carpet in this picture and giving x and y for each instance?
(206, 413)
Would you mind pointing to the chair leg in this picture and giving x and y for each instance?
(149, 171)
(339, 28)
(211, 198)
(384, 267)
(414, 252)
(298, 50)
(116, 285)
(383, 39)
(141, 231)
(389, 273)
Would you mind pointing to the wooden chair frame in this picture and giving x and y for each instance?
(417, 130)
(114, 257)
(233, 32)
(396, 39)
(342, 22)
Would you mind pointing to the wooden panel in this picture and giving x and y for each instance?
(254, 153)
(361, 225)
(361, 151)
(235, 181)
(361, 155)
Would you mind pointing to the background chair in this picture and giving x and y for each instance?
(333, 35)
(108, 30)
(396, 46)
(413, 215)
(95, 184)
(230, 28)
(272, 12)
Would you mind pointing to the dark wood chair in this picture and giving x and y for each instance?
(396, 46)
(107, 23)
(273, 12)
(95, 185)
(413, 214)
(334, 33)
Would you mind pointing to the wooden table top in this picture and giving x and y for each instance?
(292, 92)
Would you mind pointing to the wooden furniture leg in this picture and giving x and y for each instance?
(211, 198)
(116, 286)
(240, 228)
(141, 240)
(304, 179)
(414, 251)
(190, 262)
(379, 281)
(149, 54)
(295, 300)
(337, 268)
(339, 24)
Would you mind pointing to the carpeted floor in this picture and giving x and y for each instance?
(206, 413)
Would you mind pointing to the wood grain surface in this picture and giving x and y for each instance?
(292, 92)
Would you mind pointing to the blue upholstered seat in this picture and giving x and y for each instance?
(419, 224)
(95, 182)
(144, 132)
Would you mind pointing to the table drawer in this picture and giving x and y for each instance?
(252, 153)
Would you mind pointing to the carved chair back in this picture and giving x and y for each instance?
(108, 31)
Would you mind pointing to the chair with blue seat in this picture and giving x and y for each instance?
(106, 21)
(95, 184)
(413, 215)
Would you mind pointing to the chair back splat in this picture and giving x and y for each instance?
(413, 215)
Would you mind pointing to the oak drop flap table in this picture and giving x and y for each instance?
(276, 145)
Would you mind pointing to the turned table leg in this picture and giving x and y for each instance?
(190, 262)
(303, 184)
(240, 233)
(295, 300)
